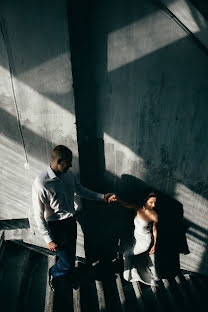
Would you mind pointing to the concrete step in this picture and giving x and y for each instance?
(21, 229)
(14, 224)
(40, 250)
(34, 294)
(24, 279)
(24, 287)
(199, 287)
(12, 262)
(1, 238)
(26, 235)
(111, 292)
(12, 234)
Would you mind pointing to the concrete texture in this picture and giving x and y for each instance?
(143, 81)
(190, 17)
(140, 85)
(36, 100)
(24, 286)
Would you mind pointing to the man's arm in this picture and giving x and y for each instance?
(39, 199)
(84, 192)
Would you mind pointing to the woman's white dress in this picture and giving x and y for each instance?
(138, 264)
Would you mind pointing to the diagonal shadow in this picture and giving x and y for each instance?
(51, 41)
(149, 87)
(88, 91)
(202, 6)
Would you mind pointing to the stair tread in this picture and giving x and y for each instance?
(12, 262)
(33, 290)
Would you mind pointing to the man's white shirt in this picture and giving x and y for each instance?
(53, 198)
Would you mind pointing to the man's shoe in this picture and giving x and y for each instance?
(75, 284)
(73, 278)
(51, 281)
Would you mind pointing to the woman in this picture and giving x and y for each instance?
(139, 258)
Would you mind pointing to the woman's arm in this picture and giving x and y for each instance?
(127, 204)
(154, 230)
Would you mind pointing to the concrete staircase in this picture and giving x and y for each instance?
(24, 286)
(24, 278)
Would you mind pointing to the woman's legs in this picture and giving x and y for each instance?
(128, 263)
(153, 268)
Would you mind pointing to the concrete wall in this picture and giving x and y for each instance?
(36, 97)
(140, 84)
(145, 80)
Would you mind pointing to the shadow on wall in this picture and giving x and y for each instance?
(37, 59)
(129, 103)
(111, 69)
(43, 30)
(16, 186)
(135, 79)
(102, 234)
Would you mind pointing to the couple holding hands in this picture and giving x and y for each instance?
(53, 205)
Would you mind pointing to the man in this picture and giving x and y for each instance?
(53, 204)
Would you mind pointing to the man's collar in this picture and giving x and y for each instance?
(51, 173)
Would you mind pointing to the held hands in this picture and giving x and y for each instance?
(109, 197)
(52, 246)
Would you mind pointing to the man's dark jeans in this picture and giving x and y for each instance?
(64, 234)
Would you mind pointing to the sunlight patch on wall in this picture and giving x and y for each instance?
(195, 211)
(53, 76)
(15, 184)
(187, 13)
(141, 38)
(38, 113)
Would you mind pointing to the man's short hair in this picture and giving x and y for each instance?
(62, 152)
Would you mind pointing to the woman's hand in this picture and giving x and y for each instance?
(152, 250)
